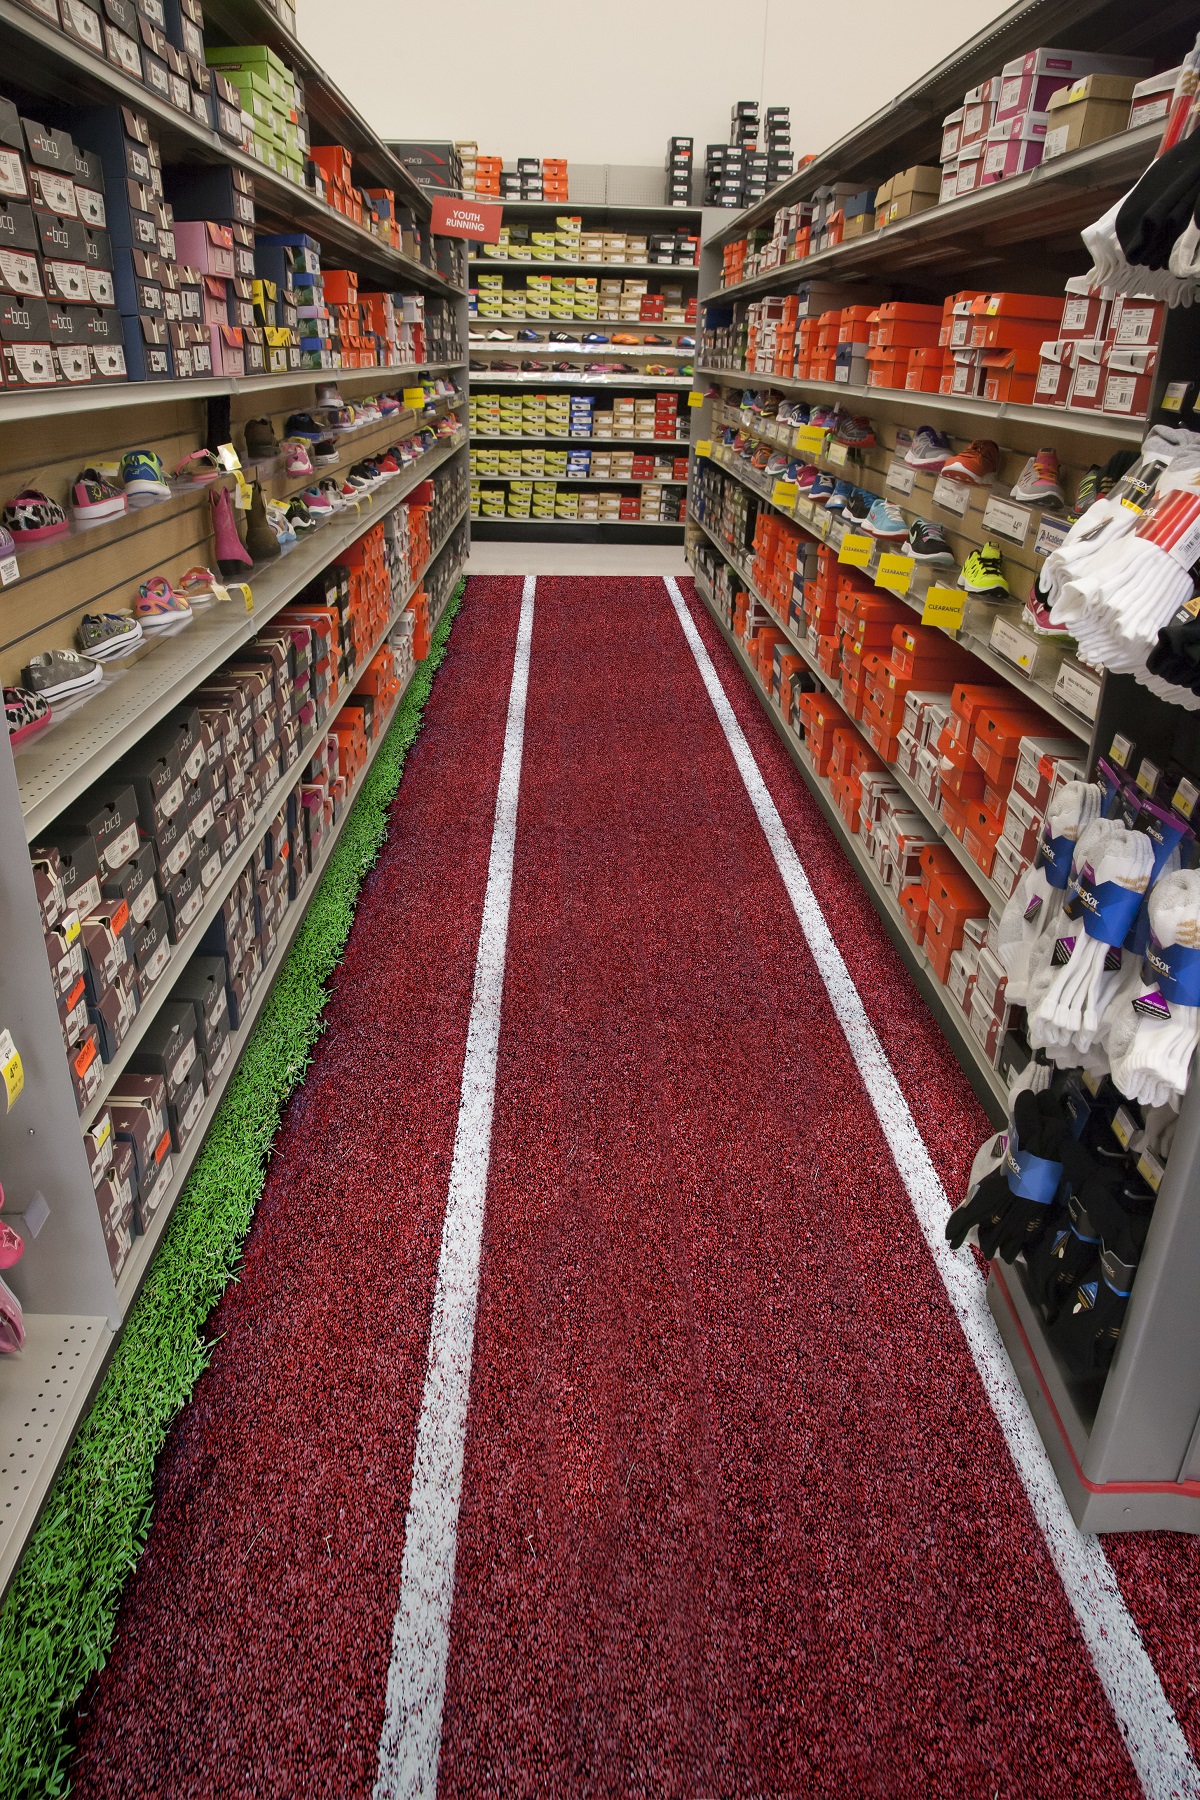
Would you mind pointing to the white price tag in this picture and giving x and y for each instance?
(9, 571)
(954, 496)
(1006, 520)
(901, 477)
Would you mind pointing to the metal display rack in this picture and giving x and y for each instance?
(73, 1307)
(1126, 1447)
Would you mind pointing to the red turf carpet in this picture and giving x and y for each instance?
(736, 1518)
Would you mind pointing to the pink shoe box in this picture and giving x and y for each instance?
(978, 112)
(1135, 322)
(1028, 81)
(1055, 368)
(1087, 378)
(1014, 146)
(215, 300)
(970, 168)
(951, 135)
(228, 352)
(1129, 381)
(966, 372)
(1085, 311)
(204, 245)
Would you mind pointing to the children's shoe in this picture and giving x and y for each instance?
(24, 713)
(159, 606)
(822, 487)
(94, 499)
(297, 460)
(842, 491)
(761, 457)
(231, 553)
(12, 1323)
(105, 635)
(329, 394)
(806, 479)
(143, 475)
(925, 544)
(302, 519)
(1087, 493)
(57, 674)
(261, 442)
(886, 521)
(281, 525)
(33, 518)
(1038, 482)
(776, 463)
(928, 450)
(332, 490)
(324, 451)
(857, 433)
(857, 509)
(303, 425)
(318, 502)
(200, 587)
(261, 541)
(974, 465)
(200, 466)
(983, 574)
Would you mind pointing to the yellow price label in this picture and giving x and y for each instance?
(414, 399)
(856, 551)
(703, 447)
(895, 572)
(784, 494)
(11, 1069)
(695, 399)
(71, 928)
(810, 439)
(837, 454)
(944, 607)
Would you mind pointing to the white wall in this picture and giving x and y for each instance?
(608, 81)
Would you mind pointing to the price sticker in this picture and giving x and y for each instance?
(856, 550)
(901, 477)
(784, 494)
(838, 455)
(1123, 1127)
(1148, 776)
(1175, 396)
(944, 607)
(228, 458)
(1185, 798)
(695, 399)
(953, 496)
(1006, 520)
(414, 399)
(810, 439)
(703, 447)
(9, 572)
(1150, 1169)
(1120, 751)
(11, 1069)
(895, 572)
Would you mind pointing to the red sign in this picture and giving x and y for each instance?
(466, 219)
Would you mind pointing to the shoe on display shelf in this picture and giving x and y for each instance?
(159, 606)
(976, 465)
(297, 457)
(57, 674)
(261, 443)
(33, 518)
(143, 476)
(885, 521)
(231, 553)
(105, 635)
(1037, 615)
(925, 544)
(983, 574)
(806, 479)
(777, 463)
(822, 487)
(12, 1320)
(303, 425)
(200, 467)
(528, 337)
(261, 541)
(499, 337)
(301, 518)
(24, 713)
(596, 337)
(929, 449)
(1038, 483)
(200, 587)
(324, 451)
(1087, 493)
(328, 394)
(94, 499)
(318, 502)
(280, 523)
(858, 508)
(856, 433)
(838, 496)
(761, 457)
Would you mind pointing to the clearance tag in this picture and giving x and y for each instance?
(811, 439)
(10, 1068)
(784, 494)
(244, 493)
(944, 606)
(895, 572)
(695, 399)
(856, 550)
(703, 447)
(414, 399)
(71, 928)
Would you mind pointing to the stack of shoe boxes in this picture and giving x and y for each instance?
(291, 261)
(778, 144)
(468, 151)
(271, 105)
(680, 151)
(488, 170)
(435, 166)
(220, 195)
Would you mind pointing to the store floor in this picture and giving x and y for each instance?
(736, 1516)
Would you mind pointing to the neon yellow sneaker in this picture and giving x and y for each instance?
(983, 574)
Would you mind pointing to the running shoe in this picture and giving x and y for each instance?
(806, 479)
(596, 337)
(822, 487)
(974, 465)
(94, 499)
(318, 503)
(105, 635)
(1087, 493)
(24, 713)
(333, 490)
(857, 433)
(886, 521)
(33, 518)
(281, 524)
(1115, 469)
(777, 463)
(528, 337)
(297, 457)
(303, 425)
(324, 451)
(499, 337)
(158, 605)
(1038, 483)
(302, 519)
(58, 674)
(842, 491)
(1037, 614)
(857, 509)
(983, 574)
(142, 473)
(761, 457)
(824, 417)
(925, 544)
(928, 450)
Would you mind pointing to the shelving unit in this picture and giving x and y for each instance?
(655, 352)
(559, 378)
(1126, 1447)
(542, 265)
(503, 437)
(73, 1307)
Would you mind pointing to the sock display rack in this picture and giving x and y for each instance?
(589, 312)
(913, 329)
(166, 831)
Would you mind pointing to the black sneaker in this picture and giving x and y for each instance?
(527, 337)
(301, 519)
(1087, 493)
(300, 424)
(563, 337)
(857, 506)
(324, 450)
(925, 544)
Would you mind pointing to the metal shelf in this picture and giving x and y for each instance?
(578, 481)
(557, 378)
(625, 524)
(52, 64)
(526, 347)
(588, 268)
(983, 1078)
(933, 818)
(503, 437)
(60, 763)
(1053, 197)
(1042, 697)
(689, 325)
(187, 947)
(551, 208)
(1045, 418)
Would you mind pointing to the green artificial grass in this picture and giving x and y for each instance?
(58, 1619)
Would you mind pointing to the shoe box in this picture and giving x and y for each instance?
(680, 153)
